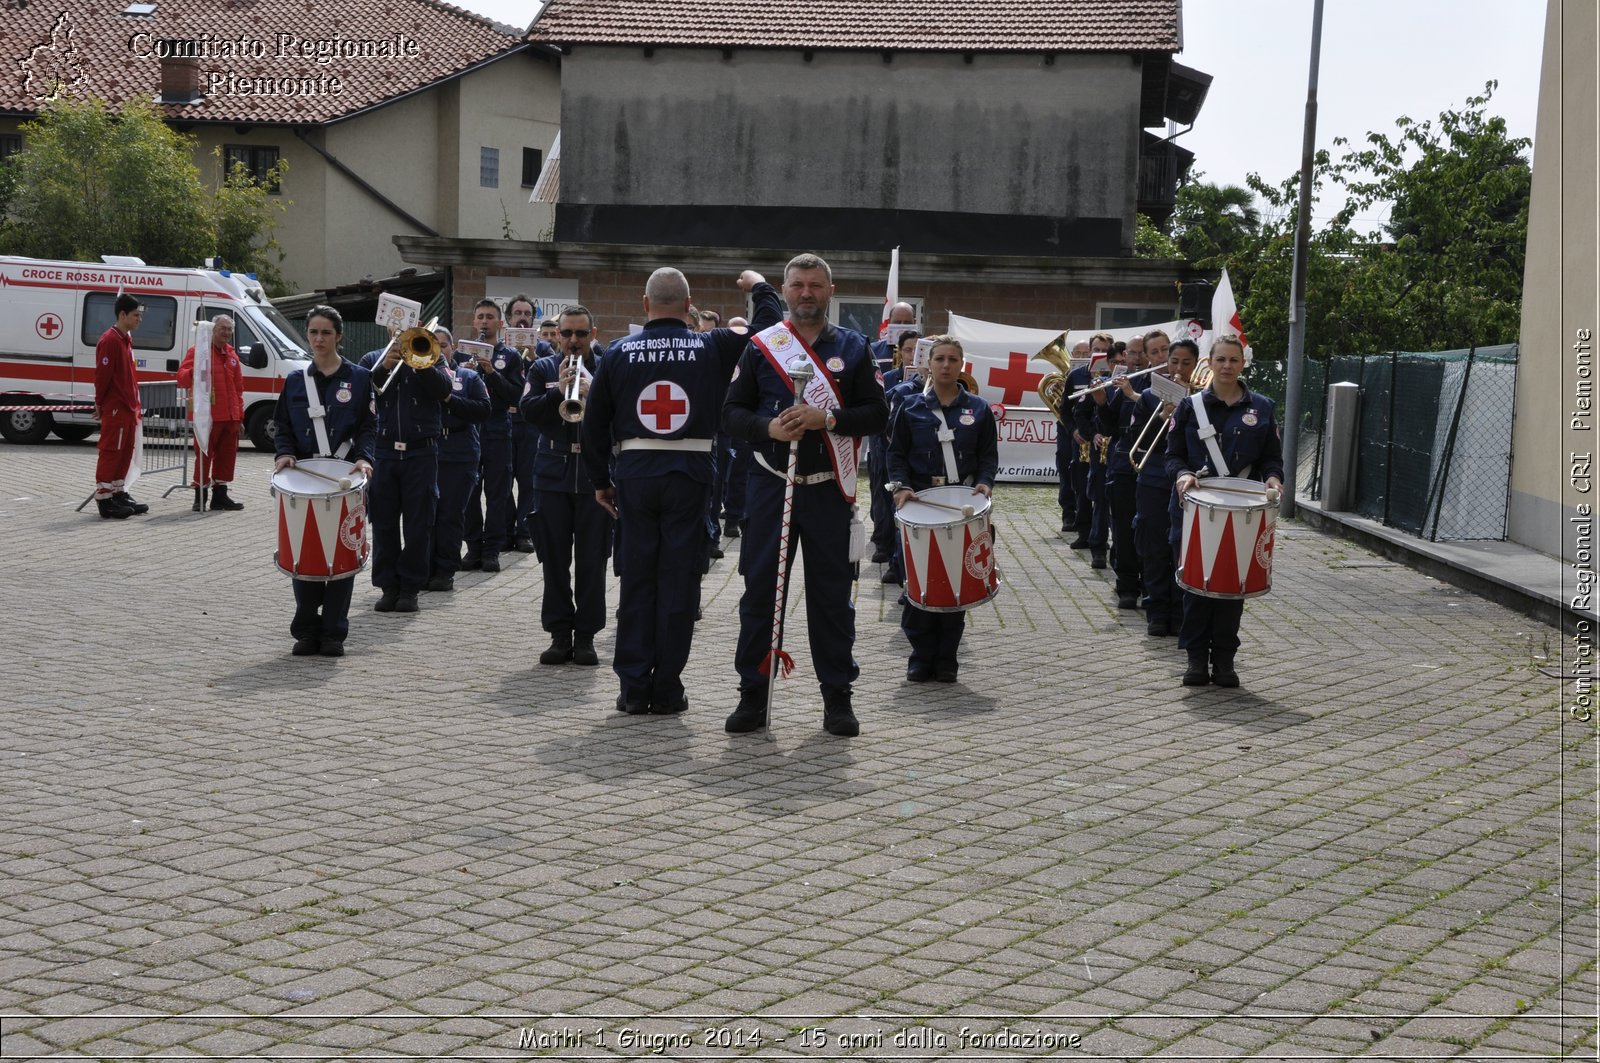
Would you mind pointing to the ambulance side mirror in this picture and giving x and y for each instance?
(254, 356)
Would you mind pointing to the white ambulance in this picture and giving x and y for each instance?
(53, 313)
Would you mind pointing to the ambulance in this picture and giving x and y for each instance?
(53, 313)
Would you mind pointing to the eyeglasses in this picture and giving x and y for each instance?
(568, 333)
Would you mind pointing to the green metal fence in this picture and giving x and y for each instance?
(1433, 457)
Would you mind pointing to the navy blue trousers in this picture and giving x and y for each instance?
(882, 505)
(456, 481)
(738, 477)
(663, 549)
(489, 511)
(401, 504)
(1066, 494)
(1093, 516)
(322, 610)
(1121, 500)
(1210, 625)
(934, 637)
(575, 538)
(524, 445)
(1151, 525)
(821, 528)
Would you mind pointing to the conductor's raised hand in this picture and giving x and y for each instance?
(749, 279)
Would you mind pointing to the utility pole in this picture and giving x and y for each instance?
(1297, 291)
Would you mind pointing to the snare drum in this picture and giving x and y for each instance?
(949, 558)
(1226, 549)
(322, 530)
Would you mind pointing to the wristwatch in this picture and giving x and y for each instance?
(894, 487)
(828, 421)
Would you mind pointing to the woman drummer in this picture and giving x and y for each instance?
(918, 459)
(349, 431)
(1247, 444)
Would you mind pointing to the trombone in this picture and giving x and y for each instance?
(1161, 420)
(419, 348)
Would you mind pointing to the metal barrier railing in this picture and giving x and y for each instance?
(168, 435)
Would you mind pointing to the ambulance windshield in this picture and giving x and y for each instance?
(284, 335)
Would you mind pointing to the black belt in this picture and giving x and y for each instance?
(560, 448)
(426, 443)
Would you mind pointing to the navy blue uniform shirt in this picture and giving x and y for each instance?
(505, 386)
(665, 382)
(410, 411)
(347, 395)
(464, 409)
(759, 393)
(558, 464)
(916, 457)
(1077, 380)
(1247, 433)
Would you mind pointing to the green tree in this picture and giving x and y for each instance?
(1150, 242)
(91, 183)
(243, 217)
(1214, 223)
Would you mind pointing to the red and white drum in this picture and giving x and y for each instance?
(1226, 548)
(949, 558)
(322, 528)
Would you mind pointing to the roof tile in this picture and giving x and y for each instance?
(904, 25)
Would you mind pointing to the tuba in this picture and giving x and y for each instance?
(419, 348)
(1053, 388)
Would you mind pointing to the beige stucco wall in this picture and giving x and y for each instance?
(1549, 477)
(510, 105)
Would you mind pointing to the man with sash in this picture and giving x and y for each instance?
(843, 403)
(655, 398)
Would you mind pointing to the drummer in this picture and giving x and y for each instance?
(918, 458)
(1245, 445)
(343, 426)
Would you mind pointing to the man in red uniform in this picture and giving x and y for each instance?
(213, 467)
(116, 402)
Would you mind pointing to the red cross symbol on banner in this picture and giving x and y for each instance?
(1014, 379)
(47, 326)
(667, 403)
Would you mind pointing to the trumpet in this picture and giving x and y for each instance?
(419, 348)
(572, 403)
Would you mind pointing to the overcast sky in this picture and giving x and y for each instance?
(1380, 59)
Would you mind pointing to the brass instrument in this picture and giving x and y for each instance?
(419, 348)
(1054, 386)
(572, 403)
(1110, 381)
(1083, 452)
(1162, 418)
(1105, 448)
(967, 380)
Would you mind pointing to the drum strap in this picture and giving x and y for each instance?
(318, 412)
(946, 439)
(1208, 434)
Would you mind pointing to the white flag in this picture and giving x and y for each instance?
(893, 295)
(201, 392)
(1225, 312)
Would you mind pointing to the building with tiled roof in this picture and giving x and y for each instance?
(954, 126)
(395, 116)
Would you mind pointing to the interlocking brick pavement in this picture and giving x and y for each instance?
(1381, 846)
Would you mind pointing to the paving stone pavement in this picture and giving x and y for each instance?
(1381, 846)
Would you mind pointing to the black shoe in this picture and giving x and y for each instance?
(731, 530)
(632, 708)
(751, 715)
(946, 671)
(524, 544)
(134, 504)
(333, 648)
(111, 509)
(560, 651)
(583, 651)
(1097, 559)
(491, 564)
(1222, 672)
(199, 500)
(307, 647)
(893, 578)
(670, 708)
(220, 499)
(442, 583)
(919, 673)
(837, 716)
(1127, 601)
(387, 601)
(406, 603)
(880, 557)
(471, 563)
(1196, 675)
(1156, 627)
(1174, 625)
(716, 552)
(1080, 543)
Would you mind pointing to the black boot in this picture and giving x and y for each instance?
(560, 651)
(1222, 672)
(1196, 675)
(112, 509)
(220, 499)
(199, 500)
(132, 503)
(583, 651)
(751, 713)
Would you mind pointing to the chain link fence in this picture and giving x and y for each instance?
(1433, 457)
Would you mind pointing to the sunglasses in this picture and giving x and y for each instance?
(571, 332)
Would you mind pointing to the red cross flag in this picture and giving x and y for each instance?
(663, 408)
(1225, 312)
(892, 296)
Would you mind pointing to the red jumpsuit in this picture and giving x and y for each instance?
(215, 465)
(116, 398)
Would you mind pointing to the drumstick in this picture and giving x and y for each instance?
(1268, 492)
(344, 482)
(965, 511)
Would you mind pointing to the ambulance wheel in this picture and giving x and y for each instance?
(260, 427)
(75, 433)
(26, 426)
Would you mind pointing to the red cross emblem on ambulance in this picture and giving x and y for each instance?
(663, 407)
(48, 326)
